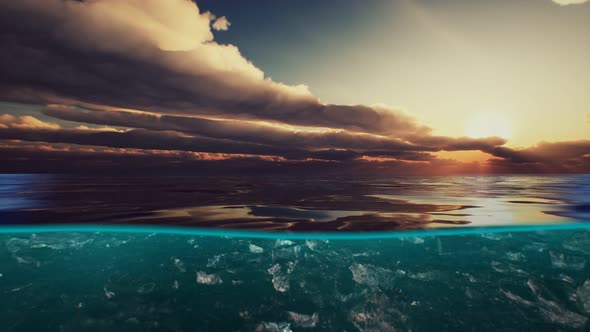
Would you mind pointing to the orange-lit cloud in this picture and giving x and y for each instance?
(24, 122)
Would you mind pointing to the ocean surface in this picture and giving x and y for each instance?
(313, 204)
(279, 254)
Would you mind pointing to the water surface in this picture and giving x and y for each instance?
(296, 203)
(113, 253)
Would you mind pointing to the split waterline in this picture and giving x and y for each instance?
(252, 234)
(294, 254)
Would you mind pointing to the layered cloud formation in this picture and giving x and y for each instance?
(146, 78)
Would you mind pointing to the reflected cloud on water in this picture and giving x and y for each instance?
(295, 203)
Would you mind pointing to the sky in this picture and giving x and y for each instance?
(378, 87)
(439, 60)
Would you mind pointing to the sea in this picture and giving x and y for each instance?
(286, 253)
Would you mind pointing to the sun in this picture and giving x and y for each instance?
(486, 124)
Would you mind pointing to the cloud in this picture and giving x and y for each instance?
(254, 132)
(352, 153)
(52, 158)
(60, 158)
(569, 2)
(152, 76)
(545, 157)
(153, 132)
(280, 137)
(157, 56)
(35, 157)
(221, 24)
(162, 140)
(24, 122)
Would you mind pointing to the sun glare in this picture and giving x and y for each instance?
(485, 124)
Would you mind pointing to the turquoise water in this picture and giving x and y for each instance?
(134, 280)
(463, 253)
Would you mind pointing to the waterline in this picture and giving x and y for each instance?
(289, 235)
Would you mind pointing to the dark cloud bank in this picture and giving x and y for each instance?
(151, 90)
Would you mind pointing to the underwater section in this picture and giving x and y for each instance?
(138, 281)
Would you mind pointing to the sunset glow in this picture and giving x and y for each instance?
(486, 124)
(387, 87)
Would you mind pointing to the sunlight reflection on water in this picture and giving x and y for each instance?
(296, 203)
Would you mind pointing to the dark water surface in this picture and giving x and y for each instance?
(295, 203)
